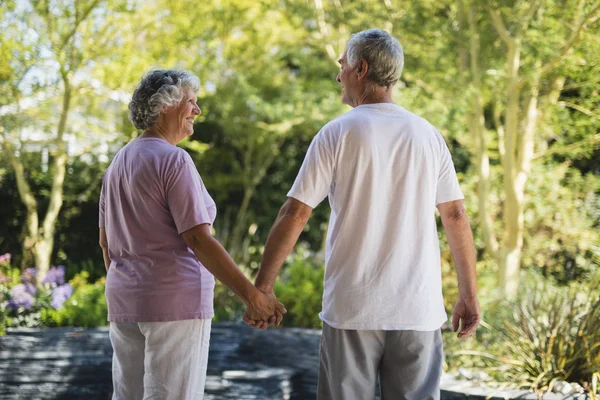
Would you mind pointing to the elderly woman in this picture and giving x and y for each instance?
(160, 256)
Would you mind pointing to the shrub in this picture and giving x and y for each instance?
(548, 333)
(227, 306)
(24, 303)
(554, 334)
(300, 289)
(85, 308)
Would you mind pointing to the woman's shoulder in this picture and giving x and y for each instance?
(161, 151)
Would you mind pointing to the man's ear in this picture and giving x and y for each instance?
(362, 69)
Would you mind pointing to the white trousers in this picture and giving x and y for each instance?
(160, 360)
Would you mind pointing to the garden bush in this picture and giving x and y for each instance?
(300, 289)
(85, 308)
(553, 334)
(27, 300)
(227, 305)
(548, 333)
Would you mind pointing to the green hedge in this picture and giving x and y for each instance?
(548, 333)
(85, 308)
(300, 289)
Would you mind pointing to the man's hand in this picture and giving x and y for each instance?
(467, 312)
(264, 310)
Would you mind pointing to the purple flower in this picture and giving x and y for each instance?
(60, 295)
(20, 297)
(30, 288)
(5, 258)
(55, 276)
(29, 275)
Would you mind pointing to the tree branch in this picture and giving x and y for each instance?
(478, 123)
(23, 187)
(78, 21)
(500, 130)
(56, 195)
(581, 84)
(580, 109)
(500, 27)
(323, 28)
(408, 77)
(592, 140)
(25, 193)
(525, 141)
(574, 38)
(59, 166)
(533, 7)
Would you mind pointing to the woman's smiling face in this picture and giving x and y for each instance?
(184, 113)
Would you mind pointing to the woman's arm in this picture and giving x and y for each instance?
(216, 259)
(104, 246)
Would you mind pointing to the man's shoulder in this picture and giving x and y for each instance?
(423, 126)
(359, 116)
(338, 121)
(417, 119)
(343, 123)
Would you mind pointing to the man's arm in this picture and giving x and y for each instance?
(460, 239)
(286, 230)
(216, 259)
(104, 246)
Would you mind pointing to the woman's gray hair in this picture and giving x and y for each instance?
(159, 89)
(381, 51)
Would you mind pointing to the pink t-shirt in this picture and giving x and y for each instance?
(151, 193)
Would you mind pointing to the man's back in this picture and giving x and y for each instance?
(385, 169)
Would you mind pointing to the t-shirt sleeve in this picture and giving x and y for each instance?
(185, 197)
(448, 188)
(316, 174)
(102, 206)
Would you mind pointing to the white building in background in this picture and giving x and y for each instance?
(86, 132)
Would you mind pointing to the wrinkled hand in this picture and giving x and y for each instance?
(264, 310)
(467, 312)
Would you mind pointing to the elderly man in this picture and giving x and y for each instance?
(385, 171)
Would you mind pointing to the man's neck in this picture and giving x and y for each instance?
(374, 95)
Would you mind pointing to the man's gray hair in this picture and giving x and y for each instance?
(159, 89)
(381, 51)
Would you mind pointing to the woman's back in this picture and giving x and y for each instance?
(151, 193)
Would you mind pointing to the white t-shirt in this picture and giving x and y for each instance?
(385, 169)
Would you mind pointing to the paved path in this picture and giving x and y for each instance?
(244, 364)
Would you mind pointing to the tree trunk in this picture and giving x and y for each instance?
(509, 257)
(45, 236)
(476, 123)
(26, 195)
(235, 247)
(509, 263)
(255, 166)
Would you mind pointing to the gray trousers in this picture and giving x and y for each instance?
(408, 363)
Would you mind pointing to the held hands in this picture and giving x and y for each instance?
(467, 312)
(264, 310)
